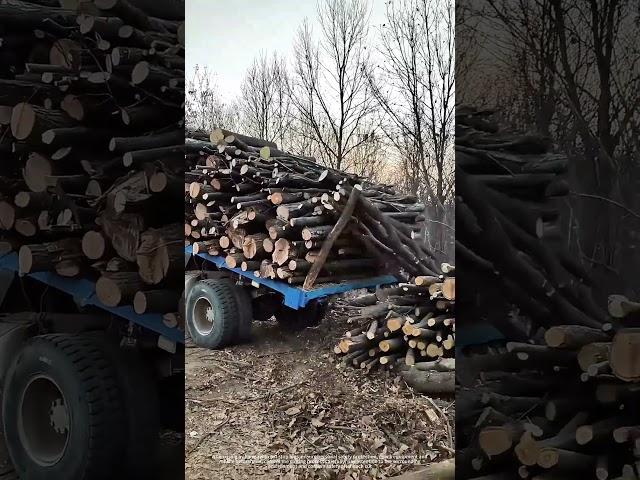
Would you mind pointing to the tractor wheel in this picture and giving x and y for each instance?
(212, 313)
(62, 410)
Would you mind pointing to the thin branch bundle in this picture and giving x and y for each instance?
(556, 398)
(408, 329)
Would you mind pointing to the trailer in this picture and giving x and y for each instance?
(86, 388)
(222, 302)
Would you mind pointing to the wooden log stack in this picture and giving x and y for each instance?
(557, 398)
(285, 217)
(92, 144)
(408, 329)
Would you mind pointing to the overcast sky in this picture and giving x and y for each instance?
(226, 35)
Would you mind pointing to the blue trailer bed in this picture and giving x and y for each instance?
(294, 296)
(84, 293)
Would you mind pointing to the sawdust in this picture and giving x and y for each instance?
(283, 399)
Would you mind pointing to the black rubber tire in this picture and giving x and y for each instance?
(140, 399)
(222, 299)
(78, 366)
(245, 313)
(190, 279)
(296, 320)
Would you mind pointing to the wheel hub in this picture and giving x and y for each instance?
(59, 417)
(203, 316)
(44, 423)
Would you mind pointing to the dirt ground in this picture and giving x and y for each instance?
(265, 409)
(282, 408)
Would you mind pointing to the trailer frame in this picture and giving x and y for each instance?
(295, 297)
(83, 291)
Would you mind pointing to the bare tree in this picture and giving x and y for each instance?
(266, 99)
(524, 33)
(570, 70)
(204, 109)
(598, 69)
(414, 85)
(468, 49)
(332, 96)
(369, 159)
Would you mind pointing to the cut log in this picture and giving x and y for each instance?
(431, 383)
(118, 288)
(573, 336)
(620, 306)
(496, 440)
(160, 251)
(94, 245)
(30, 121)
(155, 301)
(253, 246)
(624, 356)
(444, 470)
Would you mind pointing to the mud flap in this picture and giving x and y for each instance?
(6, 279)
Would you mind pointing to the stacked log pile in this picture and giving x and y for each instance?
(285, 217)
(409, 329)
(92, 144)
(557, 398)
